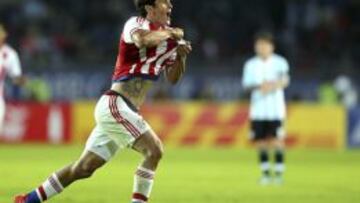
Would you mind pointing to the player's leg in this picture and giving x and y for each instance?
(150, 146)
(278, 144)
(264, 159)
(88, 163)
(259, 137)
(279, 157)
(99, 149)
(263, 150)
(83, 168)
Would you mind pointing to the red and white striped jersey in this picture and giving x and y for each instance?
(147, 63)
(9, 65)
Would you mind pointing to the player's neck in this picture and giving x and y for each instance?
(265, 58)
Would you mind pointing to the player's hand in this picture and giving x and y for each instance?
(177, 33)
(184, 49)
(268, 87)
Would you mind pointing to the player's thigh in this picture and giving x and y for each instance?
(148, 142)
(277, 133)
(258, 133)
(101, 144)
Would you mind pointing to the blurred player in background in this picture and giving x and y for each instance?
(148, 47)
(9, 66)
(266, 76)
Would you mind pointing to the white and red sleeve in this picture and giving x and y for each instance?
(12, 64)
(171, 60)
(131, 26)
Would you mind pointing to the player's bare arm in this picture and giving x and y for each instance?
(175, 72)
(143, 38)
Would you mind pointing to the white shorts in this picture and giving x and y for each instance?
(118, 126)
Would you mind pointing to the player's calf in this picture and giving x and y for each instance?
(56, 183)
(151, 148)
(85, 167)
(279, 157)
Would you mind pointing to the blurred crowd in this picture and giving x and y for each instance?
(312, 33)
(319, 37)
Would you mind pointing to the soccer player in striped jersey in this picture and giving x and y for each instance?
(148, 47)
(266, 76)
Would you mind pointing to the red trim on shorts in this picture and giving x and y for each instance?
(125, 122)
(139, 196)
(118, 117)
(121, 120)
(42, 193)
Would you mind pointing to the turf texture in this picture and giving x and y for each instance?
(188, 175)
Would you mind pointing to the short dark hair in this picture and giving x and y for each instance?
(140, 6)
(265, 35)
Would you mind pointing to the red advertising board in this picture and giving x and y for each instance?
(34, 122)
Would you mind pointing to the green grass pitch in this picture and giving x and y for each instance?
(189, 176)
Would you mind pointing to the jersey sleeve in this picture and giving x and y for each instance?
(172, 58)
(13, 66)
(285, 67)
(131, 26)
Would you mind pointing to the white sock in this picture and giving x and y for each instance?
(265, 168)
(143, 183)
(49, 188)
(279, 168)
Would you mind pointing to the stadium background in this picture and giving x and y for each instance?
(68, 49)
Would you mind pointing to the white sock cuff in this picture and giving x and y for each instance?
(279, 167)
(55, 183)
(146, 170)
(145, 173)
(265, 166)
(137, 201)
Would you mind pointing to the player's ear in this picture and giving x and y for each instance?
(148, 8)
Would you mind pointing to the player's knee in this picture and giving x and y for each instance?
(156, 152)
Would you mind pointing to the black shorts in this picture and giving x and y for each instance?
(261, 129)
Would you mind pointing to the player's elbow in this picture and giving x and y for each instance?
(139, 43)
(286, 82)
(140, 40)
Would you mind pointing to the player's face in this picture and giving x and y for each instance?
(162, 11)
(264, 48)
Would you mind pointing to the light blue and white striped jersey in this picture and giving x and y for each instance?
(270, 106)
